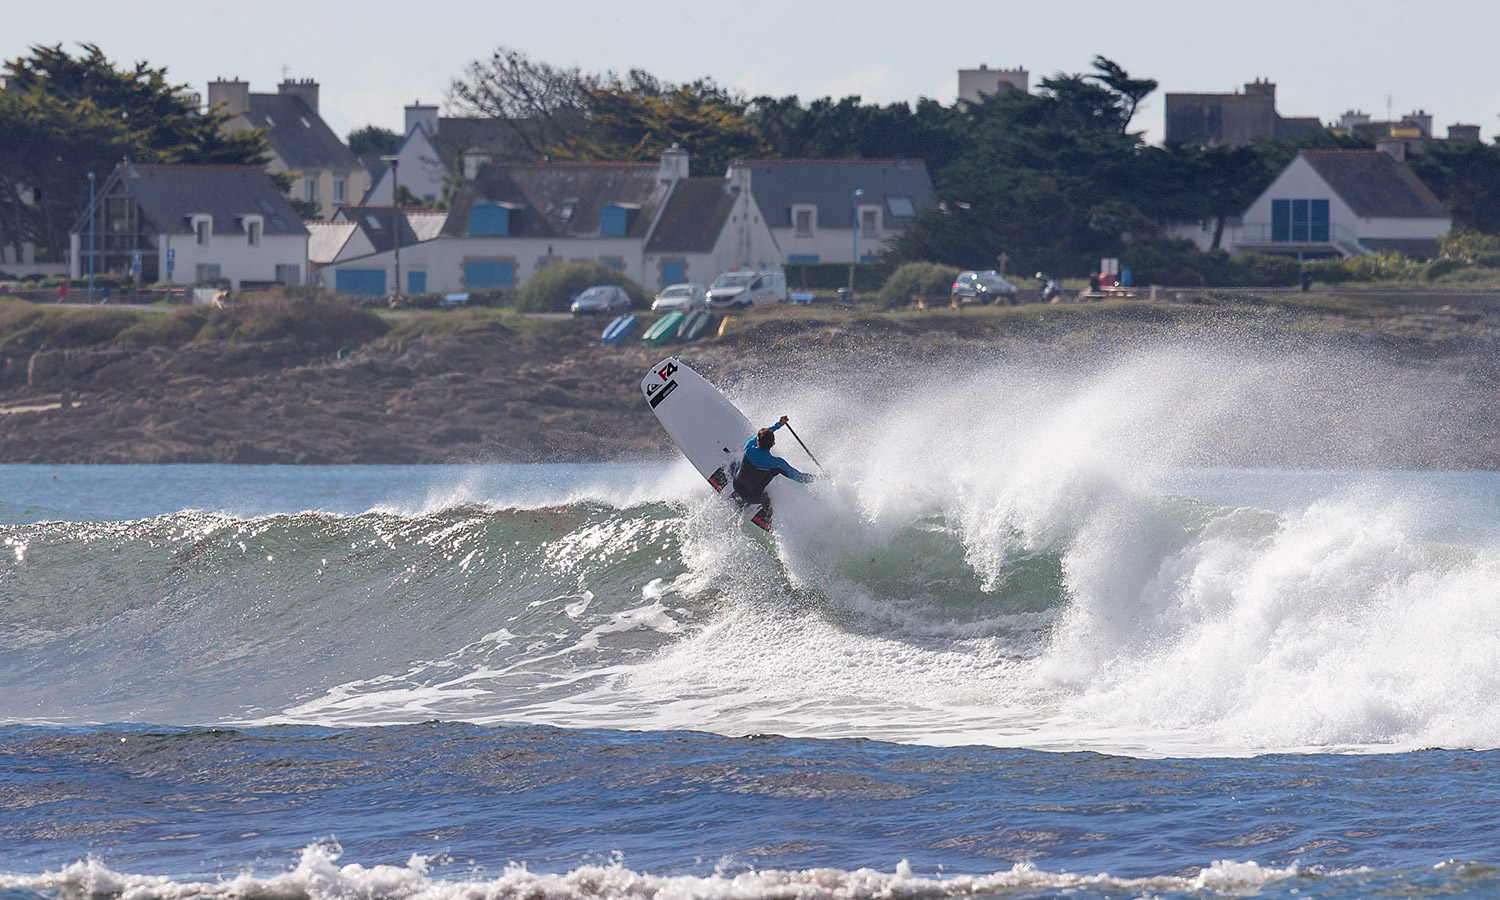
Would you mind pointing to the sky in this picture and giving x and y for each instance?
(373, 57)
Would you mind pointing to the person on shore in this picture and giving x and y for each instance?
(758, 467)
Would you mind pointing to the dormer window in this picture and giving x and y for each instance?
(202, 226)
(489, 220)
(252, 232)
(804, 219)
(614, 219)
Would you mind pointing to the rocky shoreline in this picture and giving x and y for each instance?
(494, 391)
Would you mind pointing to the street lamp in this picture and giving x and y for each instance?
(395, 161)
(854, 232)
(91, 238)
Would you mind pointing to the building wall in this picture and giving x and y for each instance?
(420, 171)
(237, 260)
(444, 259)
(357, 184)
(972, 83)
(832, 242)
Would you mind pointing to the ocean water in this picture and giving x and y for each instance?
(1053, 659)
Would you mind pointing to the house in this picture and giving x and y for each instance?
(1338, 203)
(189, 224)
(356, 232)
(813, 204)
(433, 146)
(649, 220)
(975, 83)
(1231, 120)
(327, 172)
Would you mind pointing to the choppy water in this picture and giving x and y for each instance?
(1070, 665)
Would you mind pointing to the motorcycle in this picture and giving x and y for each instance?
(1049, 291)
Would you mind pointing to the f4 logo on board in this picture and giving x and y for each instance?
(667, 371)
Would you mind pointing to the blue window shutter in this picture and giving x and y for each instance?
(1281, 220)
(1299, 220)
(487, 220)
(365, 282)
(487, 274)
(802, 258)
(416, 282)
(673, 271)
(612, 221)
(1319, 213)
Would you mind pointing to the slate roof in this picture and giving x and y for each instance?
(1375, 184)
(561, 199)
(168, 195)
(297, 134)
(830, 185)
(327, 239)
(375, 221)
(694, 216)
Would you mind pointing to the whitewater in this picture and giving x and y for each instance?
(1092, 631)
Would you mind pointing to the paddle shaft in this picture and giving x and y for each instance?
(804, 446)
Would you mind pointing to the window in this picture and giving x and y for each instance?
(673, 271)
(340, 190)
(1302, 221)
(869, 221)
(209, 272)
(288, 275)
(416, 281)
(614, 262)
(489, 273)
(202, 226)
(900, 207)
(612, 221)
(252, 233)
(117, 214)
(803, 219)
(310, 188)
(489, 220)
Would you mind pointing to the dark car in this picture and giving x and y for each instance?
(604, 299)
(983, 287)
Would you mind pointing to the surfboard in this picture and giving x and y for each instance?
(708, 429)
(694, 324)
(615, 332)
(664, 328)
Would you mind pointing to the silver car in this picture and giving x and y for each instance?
(603, 299)
(681, 296)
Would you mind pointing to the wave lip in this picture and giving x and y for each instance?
(318, 876)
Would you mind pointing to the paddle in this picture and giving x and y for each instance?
(804, 446)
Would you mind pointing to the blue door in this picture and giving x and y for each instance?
(416, 282)
(673, 271)
(366, 282)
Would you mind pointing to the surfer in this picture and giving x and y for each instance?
(756, 469)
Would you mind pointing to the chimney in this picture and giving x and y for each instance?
(307, 89)
(1393, 147)
(1260, 87)
(235, 95)
(474, 160)
(674, 165)
(424, 117)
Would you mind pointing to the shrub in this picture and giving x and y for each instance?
(1440, 267)
(868, 277)
(916, 279)
(1489, 259)
(323, 321)
(1261, 270)
(1177, 262)
(553, 288)
(171, 330)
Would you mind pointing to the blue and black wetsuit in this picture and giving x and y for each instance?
(756, 470)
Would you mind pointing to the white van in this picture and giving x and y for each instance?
(742, 287)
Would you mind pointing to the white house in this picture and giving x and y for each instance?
(1337, 203)
(357, 232)
(432, 147)
(813, 205)
(649, 220)
(189, 224)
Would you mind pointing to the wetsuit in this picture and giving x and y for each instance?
(756, 470)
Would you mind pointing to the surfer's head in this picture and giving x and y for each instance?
(765, 439)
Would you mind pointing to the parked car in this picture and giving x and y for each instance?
(742, 287)
(983, 287)
(681, 296)
(603, 299)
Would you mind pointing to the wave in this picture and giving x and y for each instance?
(1025, 572)
(318, 876)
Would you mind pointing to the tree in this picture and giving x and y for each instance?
(1131, 91)
(64, 117)
(539, 104)
(372, 140)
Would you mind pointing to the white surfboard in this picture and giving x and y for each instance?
(708, 429)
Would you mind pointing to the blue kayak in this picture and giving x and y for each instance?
(617, 329)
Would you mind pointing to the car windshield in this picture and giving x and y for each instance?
(595, 293)
(731, 280)
(677, 292)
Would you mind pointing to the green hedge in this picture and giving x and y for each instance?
(916, 279)
(868, 277)
(553, 288)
